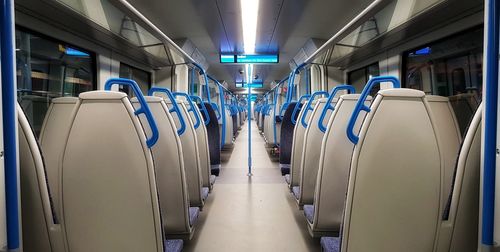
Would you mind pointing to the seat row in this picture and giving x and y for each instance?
(113, 173)
(388, 173)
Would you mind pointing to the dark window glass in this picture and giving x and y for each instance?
(46, 69)
(358, 78)
(450, 67)
(143, 78)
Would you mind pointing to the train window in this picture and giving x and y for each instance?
(450, 67)
(305, 82)
(358, 78)
(46, 69)
(143, 78)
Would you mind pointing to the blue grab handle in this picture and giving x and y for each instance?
(360, 105)
(144, 109)
(283, 109)
(297, 106)
(308, 106)
(328, 106)
(191, 107)
(216, 108)
(203, 107)
(175, 106)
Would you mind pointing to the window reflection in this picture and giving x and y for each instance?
(47, 69)
(451, 67)
(143, 78)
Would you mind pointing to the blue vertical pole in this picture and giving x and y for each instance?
(249, 105)
(9, 122)
(490, 121)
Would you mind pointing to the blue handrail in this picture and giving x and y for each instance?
(202, 71)
(360, 105)
(144, 109)
(8, 87)
(308, 106)
(203, 108)
(175, 106)
(328, 106)
(297, 106)
(490, 96)
(191, 108)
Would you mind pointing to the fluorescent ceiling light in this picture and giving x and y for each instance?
(249, 14)
(248, 73)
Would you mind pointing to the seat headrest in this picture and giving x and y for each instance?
(102, 95)
(401, 92)
(149, 99)
(65, 100)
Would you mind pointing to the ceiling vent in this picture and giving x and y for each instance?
(306, 51)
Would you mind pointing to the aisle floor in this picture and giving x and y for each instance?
(255, 213)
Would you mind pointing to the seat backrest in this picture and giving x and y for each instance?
(108, 194)
(228, 128)
(52, 139)
(286, 137)
(191, 156)
(396, 169)
(213, 135)
(459, 229)
(40, 225)
(202, 137)
(450, 138)
(311, 153)
(297, 148)
(169, 168)
(334, 164)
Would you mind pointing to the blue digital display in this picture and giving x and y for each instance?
(249, 59)
(252, 85)
(73, 52)
(224, 58)
(270, 58)
(421, 51)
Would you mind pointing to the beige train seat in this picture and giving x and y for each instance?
(396, 169)
(324, 216)
(202, 135)
(179, 218)
(53, 137)
(296, 156)
(228, 140)
(191, 155)
(311, 148)
(108, 190)
(459, 228)
(450, 138)
(40, 224)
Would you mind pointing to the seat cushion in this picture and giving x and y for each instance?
(309, 213)
(173, 245)
(194, 212)
(204, 192)
(212, 179)
(287, 178)
(330, 244)
(296, 191)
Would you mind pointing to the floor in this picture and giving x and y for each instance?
(255, 213)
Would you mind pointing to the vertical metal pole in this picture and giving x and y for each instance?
(10, 122)
(490, 123)
(249, 105)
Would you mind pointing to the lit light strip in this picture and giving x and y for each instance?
(249, 14)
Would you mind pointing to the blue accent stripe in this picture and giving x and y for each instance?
(9, 122)
(175, 106)
(360, 105)
(308, 106)
(328, 106)
(490, 122)
(144, 109)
